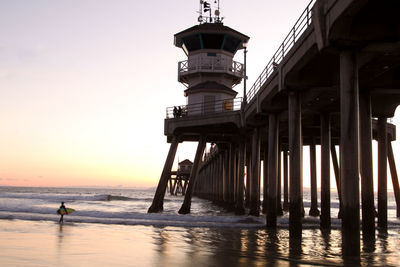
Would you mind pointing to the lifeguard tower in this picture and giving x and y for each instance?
(212, 112)
(209, 73)
(180, 178)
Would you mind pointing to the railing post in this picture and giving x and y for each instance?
(294, 34)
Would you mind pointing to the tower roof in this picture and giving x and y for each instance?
(210, 36)
(186, 162)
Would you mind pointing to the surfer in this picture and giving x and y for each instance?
(62, 207)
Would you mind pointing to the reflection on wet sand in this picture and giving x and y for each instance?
(250, 247)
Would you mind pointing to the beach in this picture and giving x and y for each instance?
(111, 228)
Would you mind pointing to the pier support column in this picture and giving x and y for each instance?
(325, 171)
(336, 169)
(212, 178)
(382, 172)
(395, 179)
(296, 165)
(232, 173)
(366, 163)
(265, 180)
(255, 174)
(226, 178)
(313, 175)
(248, 177)
(349, 154)
(279, 210)
(285, 181)
(158, 201)
(185, 209)
(240, 185)
(273, 140)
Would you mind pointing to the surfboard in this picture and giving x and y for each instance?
(65, 211)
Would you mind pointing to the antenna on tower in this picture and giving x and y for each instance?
(217, 13)
(205, 7)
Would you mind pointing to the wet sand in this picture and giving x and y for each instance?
(46, 243)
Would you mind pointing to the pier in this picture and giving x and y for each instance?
(334, 82)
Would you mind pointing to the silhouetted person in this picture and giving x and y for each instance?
(62, 207)
(179, 111)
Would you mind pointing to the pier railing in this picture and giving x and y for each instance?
(298, 29)
(210, 65)
(204, 108)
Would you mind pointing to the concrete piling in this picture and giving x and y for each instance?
(296, 165)
(240, 187)
(285, 181)
(273, 137)
(366, 171)
(349, 153)
(395, 179)
(255, 174)
(382, 172)
(313, 181)
(325, 171)
(158, 200)
(192, 180)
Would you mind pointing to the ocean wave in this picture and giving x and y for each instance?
(174, 220)
(142, 219)
(70, 197)
(79, 197)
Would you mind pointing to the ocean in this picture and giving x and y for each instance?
(111, 227)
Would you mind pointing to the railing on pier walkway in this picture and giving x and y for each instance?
(210, 65)
(205, 108)
(298, 29)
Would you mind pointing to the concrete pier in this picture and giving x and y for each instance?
(332, 76)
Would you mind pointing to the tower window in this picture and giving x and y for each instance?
(213, 41)
(231, 44)
(192, 42)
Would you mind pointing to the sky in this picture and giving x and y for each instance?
(84, 84)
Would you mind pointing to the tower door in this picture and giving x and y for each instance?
(209, 104)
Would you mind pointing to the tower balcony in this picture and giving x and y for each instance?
(219, 119)
(209, 108)
(190, 67)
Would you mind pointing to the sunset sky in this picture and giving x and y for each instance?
(84, 84)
